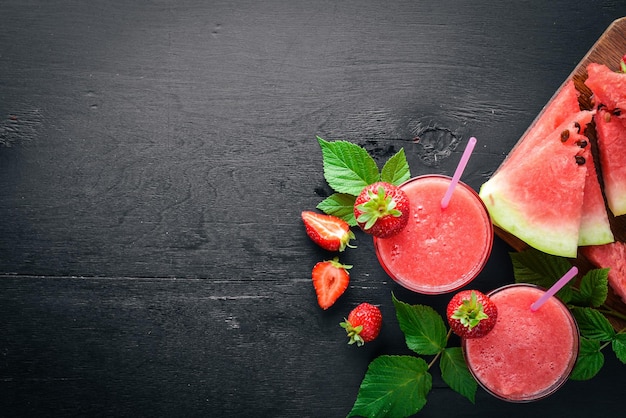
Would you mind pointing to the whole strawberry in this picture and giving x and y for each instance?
(330, 280)
(382, 209)
(471, 314)
(327, 231)
(363, 324)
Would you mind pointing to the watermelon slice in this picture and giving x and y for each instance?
(611, 132)
(563, 107)
(594, 224)
(611, 256)
(608, 86)
(539, 197)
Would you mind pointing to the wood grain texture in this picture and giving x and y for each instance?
(154, 160)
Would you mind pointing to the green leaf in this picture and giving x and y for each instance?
(348, 168)
(593, 289)
(340, 205)
(424, 329)
(396, 169)
(455, 373)
(541, 269)
(592, 324)
(590, 360)
(619, 347)
(393, 386)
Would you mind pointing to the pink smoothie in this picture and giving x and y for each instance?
(527, 355)
(440, 250)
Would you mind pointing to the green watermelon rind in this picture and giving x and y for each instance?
(509, 216)
(597, 232)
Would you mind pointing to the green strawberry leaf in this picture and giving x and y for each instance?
(593, 289)
(592, 324)
(396, 169)
(348, 168)
(590, 360)
(340, 205)
(541, 269)
(424, 329)
(455, 373)
(393, 386)
(619, 347)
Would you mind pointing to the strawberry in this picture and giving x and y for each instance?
(330, 280)
(382, 209)
(363, 324)
(327, 231)
(471, 314)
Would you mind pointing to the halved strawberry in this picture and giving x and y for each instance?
(363, 324)
(382, 209)
(471, 314)
(327, 231)
(330, 280)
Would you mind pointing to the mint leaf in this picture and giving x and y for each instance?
(396, 169)
(590, 360)
(541, 269)
(455, 373)
(424, 329)
(592, 324)
(593, 289)
(348, 168)
(340, 205)
(619, 347)
(393, 386)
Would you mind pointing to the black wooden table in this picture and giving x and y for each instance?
(154, 160)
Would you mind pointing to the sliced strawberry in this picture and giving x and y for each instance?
(363, 324)
(330, 280)
(471, 314)
(382, 209)
(327, 231)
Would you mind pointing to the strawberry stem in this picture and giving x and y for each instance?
(378, 206)
(471, 312)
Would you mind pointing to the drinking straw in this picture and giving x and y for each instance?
(459, 170)
(555, 288)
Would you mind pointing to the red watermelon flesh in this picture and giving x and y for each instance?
(560, 109)
(608, 86)
(594, 224)
(611, 132)
(539, 198)
(612, 256)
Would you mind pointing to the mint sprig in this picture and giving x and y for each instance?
(587, 302)
(348, 168)
(397, 386)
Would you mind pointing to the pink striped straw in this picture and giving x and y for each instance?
(555, 288)
(459, 171)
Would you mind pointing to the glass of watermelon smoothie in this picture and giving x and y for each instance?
(528, 355)
(440, 250)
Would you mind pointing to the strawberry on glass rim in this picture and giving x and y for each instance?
(471, 314)
(382, 209)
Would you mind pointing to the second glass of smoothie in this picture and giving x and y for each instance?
(528, 354)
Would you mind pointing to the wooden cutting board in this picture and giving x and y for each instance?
(608, 50)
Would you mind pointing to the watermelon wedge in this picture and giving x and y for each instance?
(612, 256)
(595, 228)
(611, 132)
(538, 196)
(608, 86)
(560, 109)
